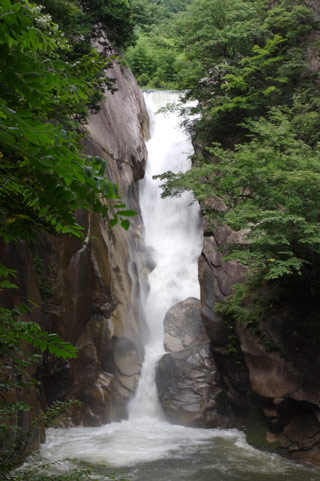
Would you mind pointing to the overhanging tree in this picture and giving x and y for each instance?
(48, 87)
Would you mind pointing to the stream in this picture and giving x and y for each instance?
(146, 446)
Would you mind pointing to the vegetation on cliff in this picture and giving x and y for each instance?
(51, 79)
(253, 69)
(50, 82)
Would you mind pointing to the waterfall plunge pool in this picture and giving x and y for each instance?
(146, 446)
(149, 450)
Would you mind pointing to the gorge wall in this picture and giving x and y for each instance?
(263, 379)
(221, 375)
(83, 291)
(270, 374)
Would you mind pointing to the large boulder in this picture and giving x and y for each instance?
(186, 377)
(188, 388)
(183, 325)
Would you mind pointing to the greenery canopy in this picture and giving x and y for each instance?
(251, 67)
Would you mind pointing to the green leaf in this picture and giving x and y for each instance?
(127, 213)
(114, 221)
(125, 224)
(5, 284)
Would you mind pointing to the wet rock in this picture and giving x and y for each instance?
(216, 278)
(127, 362)
(183, 325)
(186, 378)
(270, 376)
(188, 387)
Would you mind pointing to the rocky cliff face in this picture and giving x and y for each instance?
(270, 375)
(84, 290)
(264, 381)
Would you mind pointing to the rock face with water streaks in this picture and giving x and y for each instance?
(95, 285)
(186, 377)
(84, 290)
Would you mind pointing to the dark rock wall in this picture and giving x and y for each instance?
(271, 377)
(84, 290)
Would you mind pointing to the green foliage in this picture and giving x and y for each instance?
(247, 64)
(51, 79)
(235, 57)
(51, 415)
(85, 21)
(14, 331)
(149, 13)
(43, 177)
(211, 32)
(270, 188)
(111, 16)
(43, 472)
(39, 470)
(15, 439)
(155, 59)
(242, 58)
(141, 58)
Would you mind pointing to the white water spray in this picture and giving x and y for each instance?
(174, 236)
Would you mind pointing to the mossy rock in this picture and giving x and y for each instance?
(256, 433)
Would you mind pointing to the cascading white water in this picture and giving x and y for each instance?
(174, 236)
(146, 444)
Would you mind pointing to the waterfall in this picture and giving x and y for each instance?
(173, 235)
(146, 445)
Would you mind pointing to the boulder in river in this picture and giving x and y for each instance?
(183, 325)
(186, 378)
